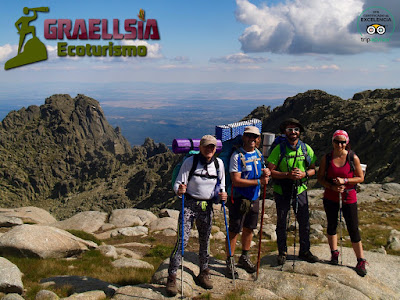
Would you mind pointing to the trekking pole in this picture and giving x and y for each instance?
(182, 244)
(295, 222)
(229, 246)
(341, 228)
(260, 233)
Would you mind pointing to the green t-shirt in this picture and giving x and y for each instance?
(287, 163)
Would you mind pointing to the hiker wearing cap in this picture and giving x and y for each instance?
(339, 172)
(201, 179)
(248, 174)
(291, 163)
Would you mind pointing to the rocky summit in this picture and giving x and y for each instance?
(66, 158)
(370, 118)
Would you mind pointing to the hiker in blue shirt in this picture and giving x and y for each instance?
(248, 174)
(201, 186)
(291, 163)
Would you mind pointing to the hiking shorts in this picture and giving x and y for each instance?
(238, 220)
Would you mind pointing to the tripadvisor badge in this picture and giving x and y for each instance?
(375, 24)
(33, 50)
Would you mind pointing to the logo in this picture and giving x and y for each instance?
(375, 24)
(33, 50)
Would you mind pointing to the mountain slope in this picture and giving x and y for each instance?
(371, 118)
(65, 156)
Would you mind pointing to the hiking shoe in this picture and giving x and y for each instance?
(281, 258)
(204, 279)
(360, 268)
(171, 287)
(334, 258)
(245, 263)
(308, 256)
(229, 267)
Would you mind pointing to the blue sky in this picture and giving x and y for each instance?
(213, 49)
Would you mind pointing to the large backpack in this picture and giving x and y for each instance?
(228, 148)
(196, 158)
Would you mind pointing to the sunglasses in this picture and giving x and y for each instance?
(339, 142)
(251, 135)
(295, 129)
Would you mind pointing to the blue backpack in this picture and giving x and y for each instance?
(228, 148)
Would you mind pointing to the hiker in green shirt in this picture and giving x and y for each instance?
(291, 163)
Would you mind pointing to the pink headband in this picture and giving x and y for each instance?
(341, 133)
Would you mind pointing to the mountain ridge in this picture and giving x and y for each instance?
(65, 157)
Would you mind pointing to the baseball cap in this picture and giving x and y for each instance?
(252, 130)
(208, 140)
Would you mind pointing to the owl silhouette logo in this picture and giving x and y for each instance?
(376, 29)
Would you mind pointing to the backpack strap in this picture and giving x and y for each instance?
(305, 153)
(282, 146)
(350, 159)
(196, 158)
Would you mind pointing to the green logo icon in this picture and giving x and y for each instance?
(33, 50)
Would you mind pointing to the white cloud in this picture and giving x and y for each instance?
(153, 50)
(172, 66)
(181, 59)
(239, 58)
(303, 26)
(312, 68)
(7, 51)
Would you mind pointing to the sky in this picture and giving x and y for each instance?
(209, 50)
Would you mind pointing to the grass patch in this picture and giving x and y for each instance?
(160, 251)
(91, 264)
(85, 236)
(237, 294)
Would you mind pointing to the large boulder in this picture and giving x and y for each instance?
(88, 221)
(10, 221)
(42, 241)
(29, 214)
(130, 217)
(164, 223)
(10, 277)
(80, 284)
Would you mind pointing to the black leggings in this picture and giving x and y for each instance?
(350, 215)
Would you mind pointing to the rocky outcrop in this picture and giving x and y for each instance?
(65, 157)
(29, 214)
(88, 221)
(42, 241)
(10, 277)
(370, 118)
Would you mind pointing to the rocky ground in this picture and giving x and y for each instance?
(128, 234)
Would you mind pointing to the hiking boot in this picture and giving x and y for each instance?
(245, 263)
(281, 258)
(171, 287)
(360, 268)
(334, 258)
(308, 256)
(204, 279)
(229, 268)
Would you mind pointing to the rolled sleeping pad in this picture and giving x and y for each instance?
(268, 139)
(185, 145)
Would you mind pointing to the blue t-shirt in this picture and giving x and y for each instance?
(254, 162)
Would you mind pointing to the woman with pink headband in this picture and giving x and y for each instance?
(339, 172)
